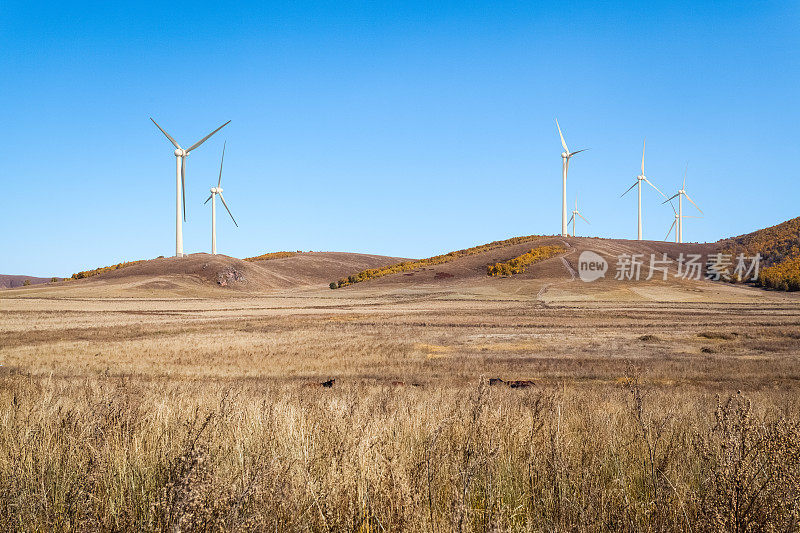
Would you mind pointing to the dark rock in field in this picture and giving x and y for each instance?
(229, 276)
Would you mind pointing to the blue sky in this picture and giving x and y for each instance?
(405, 129)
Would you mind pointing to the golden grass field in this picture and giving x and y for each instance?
(655, 406)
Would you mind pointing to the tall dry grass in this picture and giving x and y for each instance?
(113, 454)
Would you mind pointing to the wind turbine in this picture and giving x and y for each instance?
(639, 179)
(180, 182)
(575, 215)
(679, 216)
(214, 192)
(565, 155)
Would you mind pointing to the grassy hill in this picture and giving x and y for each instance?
(779, 247)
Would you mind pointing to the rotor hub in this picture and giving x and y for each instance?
(180, 152)
(564, 155)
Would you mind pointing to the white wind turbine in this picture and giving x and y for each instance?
(639, 179)
(180, 182)
(565, 155)
(575, 215)
(213, 197)
(679, 216)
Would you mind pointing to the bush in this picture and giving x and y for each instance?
(96, 271)
(784, 276)
(271, 255)
(26, 283)
(334, 285)
(53, 279)
(520, 263)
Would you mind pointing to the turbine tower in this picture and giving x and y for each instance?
(180, 182)
(679, 216)
(676, 223)
(214, 192)
(575, 215)
(639, 179)
(565, 155)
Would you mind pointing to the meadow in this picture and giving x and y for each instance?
(207, 414)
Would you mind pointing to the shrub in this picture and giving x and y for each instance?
(272, 255)
(334, 285)
(784, 276)
(26, 283)
(89, 273)
(53, 279)
(520, 263)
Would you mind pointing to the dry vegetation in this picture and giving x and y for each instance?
(198, 416)
(89, 273)
(111, 454)
(406, 266)
(520, 263)
(272, 255)
(779, 247)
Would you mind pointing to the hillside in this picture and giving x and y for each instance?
(775, 243)
(206, 275)
(553, 278)
(779, 247)
(8, 281)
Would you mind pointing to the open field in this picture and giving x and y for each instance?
(655, 405)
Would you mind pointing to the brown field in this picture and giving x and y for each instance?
(159, 400)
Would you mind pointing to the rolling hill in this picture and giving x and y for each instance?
(8, 281)
(553, 273)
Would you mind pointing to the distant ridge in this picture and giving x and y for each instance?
(8, 281)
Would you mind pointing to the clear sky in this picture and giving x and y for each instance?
(407, 128)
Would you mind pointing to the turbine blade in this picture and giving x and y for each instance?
(207, 199)
(173, 141)
(632, 186)
(694, 204)
(584, 218)
(219, 182)
(643, 145)
(577, 152)
(670, 198)
(563, 143)
(670, 229)
(226, 209)
(570, 219)
(671, 205)
(183, 185)
(691, 216)
(204, 139)
(684, 176)
(653, 186)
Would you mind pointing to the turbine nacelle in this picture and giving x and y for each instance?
(564, 155)
(216, 190)
(180, 152)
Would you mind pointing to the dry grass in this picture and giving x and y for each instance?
(194, 415)
(109, 454)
